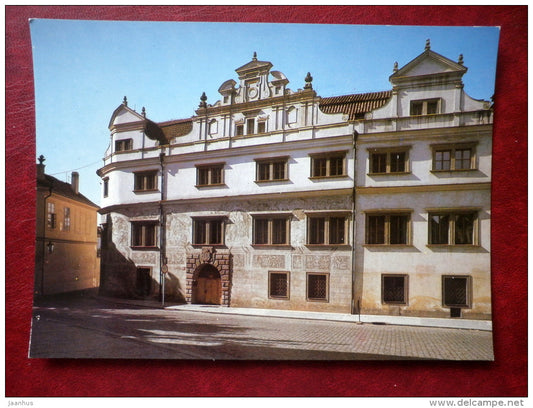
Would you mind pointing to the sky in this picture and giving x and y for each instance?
(83, 70)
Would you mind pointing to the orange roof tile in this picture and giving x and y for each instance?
(354, 105)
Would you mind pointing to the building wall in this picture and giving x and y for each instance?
(73, 264)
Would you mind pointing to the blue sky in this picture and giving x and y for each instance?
(83, 69)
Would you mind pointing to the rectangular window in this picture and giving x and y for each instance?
(425, 107)
(317, 287)
(278, 285)
(143, 234)
(387, 229)
(452, 228)
(394, 289)
(239, 130)
(454, 157)
(146, 181)
(271, 230)
(66, 219)
(384, 161)
(261, 127)
(271, 169)
(456, 291)
(327, 230)
(209, 231)
(123, 145)
(106, 186)
(51, 215)
(250, 126)
(328, 165)
(210, 175)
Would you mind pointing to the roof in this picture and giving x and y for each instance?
(175, 128)
(354, 105)
(64, 189)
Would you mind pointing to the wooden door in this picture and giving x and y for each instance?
(208, 291)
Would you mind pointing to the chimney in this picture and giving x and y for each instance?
(40, 168)
(75, 182)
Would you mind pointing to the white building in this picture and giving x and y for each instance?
(273, 198)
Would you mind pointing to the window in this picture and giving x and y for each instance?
(143, 234)
(271, 230)
(123, 145)
(66, 219)
(328, 165)
(146, 181)
(327, 229)
(51, 215)
(317, 287)
(454, 157)
(239, 129)
(387, 229)
(250, 126)
(210, 175)
(425, 107)
(394, 289)
(278, 285)
(292, 115)
(271, 169)
(453, 228)
(106, 186)
(208, 231)
(456, 291)
(213, 127)
(261, 127)
(388, 161)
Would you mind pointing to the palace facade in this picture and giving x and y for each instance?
(373, 203)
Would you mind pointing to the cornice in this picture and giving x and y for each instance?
(423, 188)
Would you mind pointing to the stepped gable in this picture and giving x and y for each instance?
(354, 105)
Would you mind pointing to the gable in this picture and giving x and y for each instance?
(123, 114)
(429, 63)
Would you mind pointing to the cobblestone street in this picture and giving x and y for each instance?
(91, 328)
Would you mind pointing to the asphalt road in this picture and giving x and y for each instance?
(86, 327)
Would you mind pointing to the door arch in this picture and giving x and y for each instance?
(207, 287)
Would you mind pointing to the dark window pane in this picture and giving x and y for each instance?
(432, 107)
(336, 166)
(261, 127)
(239, 130)
(394, 289)
(216, 175)
(443, 160)
(397, 162)
(278, 285)
(462, 159)
(416, 108)
(464, 229)
(337, 234)
(376, 229)
(250, 126)
(316, 230)
(200, 236)
(438, 226)
(261, 232)
(263, 171)
(215, 232)
(319, 167)
(379, 163)
(456, 291)
(317, 287)
(279, 231)
(278, 169)
(398, 229)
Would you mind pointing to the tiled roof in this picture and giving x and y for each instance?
(175, 128)
(64, 189)
(355, 105)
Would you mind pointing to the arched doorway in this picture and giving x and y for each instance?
(207, 288)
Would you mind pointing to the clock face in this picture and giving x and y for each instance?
(252, 93)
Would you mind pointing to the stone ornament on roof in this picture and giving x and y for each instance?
(308, 80)
(203, 100)
(428, 45)
(125, 101)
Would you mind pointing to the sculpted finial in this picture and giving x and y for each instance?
(125, 101)
(143, 111)
(461, 61)
(41, 159)
(255, 56)
(308, 80)
(395, 69)
(203, 98)
(428, 46)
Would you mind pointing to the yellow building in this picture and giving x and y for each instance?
(66, 250)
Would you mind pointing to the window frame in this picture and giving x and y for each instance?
(425, 103)
(388, 151)
(123, 145)
(451, 232)
(468, 290)
(270, 229)
(387, 232)
(452, 148)
(405, 300)
(287, 288)
(209, 168)
(208, 231)
(141, 186)
(66, 219)
(51, 217)
(328, 157)
(327, 216)
(143, 242)
(271, 162)
(308, 298)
